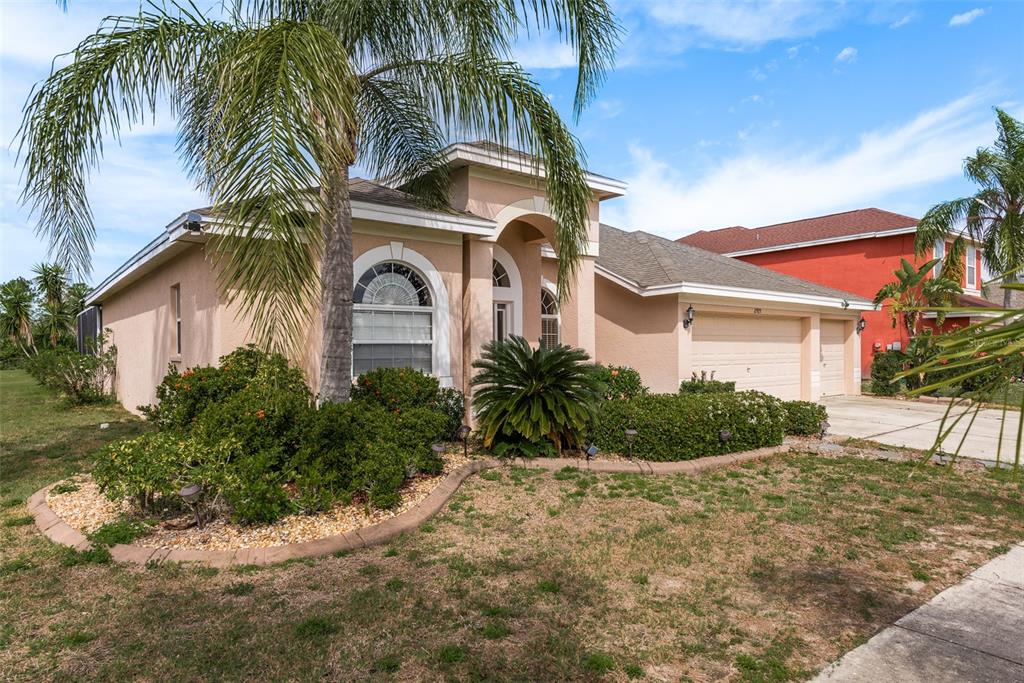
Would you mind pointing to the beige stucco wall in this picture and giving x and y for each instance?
(140, 316)
(640, 332)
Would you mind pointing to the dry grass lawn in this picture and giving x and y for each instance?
(764, 572)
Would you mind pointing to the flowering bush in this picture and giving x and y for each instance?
(804, 418)
(621, 382)
(144, 469)
(687, 426)
(79, 377)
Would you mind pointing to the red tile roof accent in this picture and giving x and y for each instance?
(836, 225)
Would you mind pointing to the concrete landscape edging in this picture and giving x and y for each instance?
(58, 531)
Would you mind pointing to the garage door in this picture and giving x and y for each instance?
(833, 357)
(756, 353)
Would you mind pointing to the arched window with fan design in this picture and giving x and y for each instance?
(550, 334)
(392, 319)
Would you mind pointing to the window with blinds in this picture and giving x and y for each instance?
(550, 336)
(392, 320)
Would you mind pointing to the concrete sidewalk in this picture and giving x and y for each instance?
(913, 424)
(972, 632)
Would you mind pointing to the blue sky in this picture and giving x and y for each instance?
(718, 113)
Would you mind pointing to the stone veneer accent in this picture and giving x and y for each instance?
(54, 528)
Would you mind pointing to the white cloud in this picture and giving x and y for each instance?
(544, 52)
(609, 109)
(763, 187)
(847, 55)
(747, 23)
(900, 23)
(966, 17)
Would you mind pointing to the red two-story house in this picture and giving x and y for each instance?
(854, 251)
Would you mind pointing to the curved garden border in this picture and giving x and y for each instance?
(58, 531)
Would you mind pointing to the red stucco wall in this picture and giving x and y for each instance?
(859, 267)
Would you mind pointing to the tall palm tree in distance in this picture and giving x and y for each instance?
(276, 98)
(994, 215)
(17, 305)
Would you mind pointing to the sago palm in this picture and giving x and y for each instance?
(912, 290)
(994, 215)
(532, 395)
(276, 99)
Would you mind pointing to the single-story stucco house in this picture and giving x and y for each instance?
(485, 269)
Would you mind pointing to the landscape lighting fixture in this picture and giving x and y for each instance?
(688, 320)
(824, 428)
(191, 494)
(591, 452)
(464, 431)
(630, 437)
(724, 435)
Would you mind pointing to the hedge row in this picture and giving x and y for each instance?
(686, 426)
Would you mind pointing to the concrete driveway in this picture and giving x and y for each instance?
(915, 425)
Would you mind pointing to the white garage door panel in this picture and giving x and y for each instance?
(756, 353)
(833, 357)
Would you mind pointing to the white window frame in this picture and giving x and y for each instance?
(176, 303)
(513, 293)
(501, 310)
(440, 311)
(971, 271)
(556, 317)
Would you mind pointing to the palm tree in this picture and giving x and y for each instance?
(994, 215)
(51, 281)
(16, 312)
(913, 290)
(281, 97)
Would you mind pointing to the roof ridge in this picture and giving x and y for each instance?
(828, 215)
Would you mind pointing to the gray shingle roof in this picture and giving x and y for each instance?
(650, 261)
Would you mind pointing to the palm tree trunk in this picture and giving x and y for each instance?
(336, 354)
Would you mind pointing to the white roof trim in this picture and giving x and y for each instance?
(518, 163)
(130, 267)
(734, 292)
(827, 240)
(421, 218)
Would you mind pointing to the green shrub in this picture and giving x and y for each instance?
(143, 469)
(81, 378)
(401, 389)
(534, 395)
(884, 368)
(396, 388)
(804, 418)
(380, 474)
(686, 426)
(621, 382)
(268, 414)
(183, 396)
(705, 384)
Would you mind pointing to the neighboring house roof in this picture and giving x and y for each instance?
(837, 227)
(977, 302)
(655, 265)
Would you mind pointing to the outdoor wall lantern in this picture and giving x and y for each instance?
(191, 494)
(591, 452)
(630, 437)
(861, 324)
(464, 431)
(688, 320)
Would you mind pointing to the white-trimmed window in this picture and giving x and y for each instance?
(940, 253)
(502, 320)
(550, 332)
(972, 267)
(499, 276)
(392, 320)
(176, 303)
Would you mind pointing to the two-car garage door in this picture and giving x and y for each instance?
(756, 352)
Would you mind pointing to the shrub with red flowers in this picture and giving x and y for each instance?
(399, 389)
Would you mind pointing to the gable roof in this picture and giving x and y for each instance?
(652, 262)
(836, 227)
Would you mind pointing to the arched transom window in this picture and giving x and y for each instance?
(392, 320)
(550, 335)
(499, 276)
